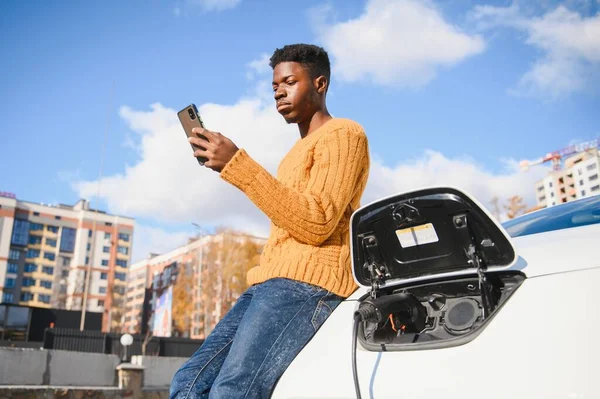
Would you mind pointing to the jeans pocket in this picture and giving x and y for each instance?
(323, 310)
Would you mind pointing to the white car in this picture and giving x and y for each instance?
(453, 305)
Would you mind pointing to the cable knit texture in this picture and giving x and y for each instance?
(318, 186)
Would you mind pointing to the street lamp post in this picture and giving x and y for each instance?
(198, 287)
(126, 340)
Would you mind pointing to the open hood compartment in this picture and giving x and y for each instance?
(423, 233)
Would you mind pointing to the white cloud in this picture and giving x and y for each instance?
(570, 46)
(434, 169)
(149, 239)
(215, 5)
(395, 42)
(259, 67)
(167, 184)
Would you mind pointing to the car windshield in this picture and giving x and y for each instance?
(572, 214)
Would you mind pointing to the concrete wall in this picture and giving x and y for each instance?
(31, 367)
(159, 371)
(20, 366)
(74, 393)
(81, 369)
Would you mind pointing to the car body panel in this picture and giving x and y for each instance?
(542, 344)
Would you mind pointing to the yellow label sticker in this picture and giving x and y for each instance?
(417, 235)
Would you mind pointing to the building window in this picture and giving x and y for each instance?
(35, 240)
(108, 223)
(7, 297)
(67, 239)
(581, 182)
(594, 177)
(36, 227)
(14, 254)
(26, 296)
(119, 290)
(596, 188)
(57, 217)
(591, 166)
(123, 250)
(46, 284)
(32, 253)
(20, 233)
(49, 256)
(124, 237)
(89, 246)
(552, 194)
(102, 290)
(89, 233)
(583, 193)
(104, 262)
(9, 283)
(51, 242)
(28, 282)
(106, 250)
(12, 268)
(120, 276)
(52, 229)
(44, 298)
(122, 263)
(48, 270)
(579, 172)
(107, 236)
(103, 276)
(65, 273)
(30, 267)
(66, 261)
(100, 303)
(550, 184)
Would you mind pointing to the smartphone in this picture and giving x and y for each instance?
(190, 119)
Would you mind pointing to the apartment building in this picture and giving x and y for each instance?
(579, 178)
(46, 252)
(215, 266)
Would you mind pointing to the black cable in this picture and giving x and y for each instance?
(357, 319)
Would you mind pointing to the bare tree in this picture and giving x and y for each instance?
(515, 207)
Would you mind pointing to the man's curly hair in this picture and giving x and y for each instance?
(313, 58)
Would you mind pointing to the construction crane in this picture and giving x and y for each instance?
(556, 156)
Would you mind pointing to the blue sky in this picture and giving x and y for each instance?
(448, 94)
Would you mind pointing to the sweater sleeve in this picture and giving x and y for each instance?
(310, 216)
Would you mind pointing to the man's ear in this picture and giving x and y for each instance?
(321, 84)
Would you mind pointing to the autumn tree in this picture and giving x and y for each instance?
(183, 303)
(515, 207)
(228, 258)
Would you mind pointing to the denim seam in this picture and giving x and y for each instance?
(275, 342)
(203, 367)
(316, 313)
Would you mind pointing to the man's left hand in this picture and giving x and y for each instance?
(219, 149)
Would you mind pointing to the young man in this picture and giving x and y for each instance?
(304, 271)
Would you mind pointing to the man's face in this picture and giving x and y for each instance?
(295, 93)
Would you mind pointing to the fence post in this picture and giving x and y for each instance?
(48, 339)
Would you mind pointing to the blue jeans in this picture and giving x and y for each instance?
(255, 342)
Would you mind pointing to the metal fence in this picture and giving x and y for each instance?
(109, 343)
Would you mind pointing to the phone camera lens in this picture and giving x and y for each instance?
(191, 114)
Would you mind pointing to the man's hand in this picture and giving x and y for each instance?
(219, 149)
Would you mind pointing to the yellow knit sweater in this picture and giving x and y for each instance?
(318, 187)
